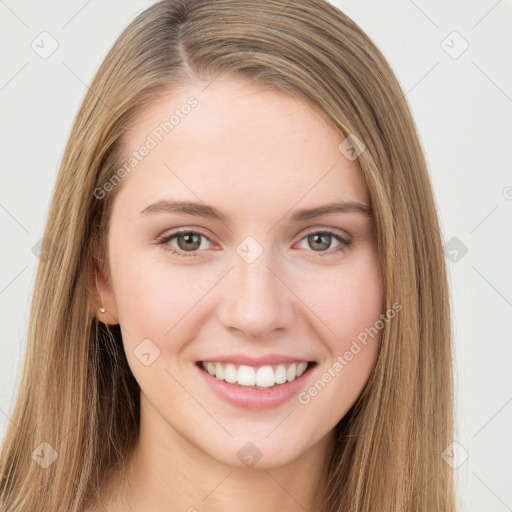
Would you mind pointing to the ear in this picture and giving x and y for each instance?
(101, 294)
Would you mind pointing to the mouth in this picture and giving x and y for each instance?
(261, 378)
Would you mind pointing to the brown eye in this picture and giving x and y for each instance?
(188, 241)
(184, 243)
(320, 241)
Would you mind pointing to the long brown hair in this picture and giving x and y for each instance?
(77, 393)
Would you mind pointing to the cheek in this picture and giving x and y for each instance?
(350, 299)
(156, 299)
(351, 308)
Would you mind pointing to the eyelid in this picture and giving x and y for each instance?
(322, 229)
(345, 241)
(165, 238)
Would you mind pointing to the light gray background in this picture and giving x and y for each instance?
(462, 107)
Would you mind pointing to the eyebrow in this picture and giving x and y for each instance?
(206, 211)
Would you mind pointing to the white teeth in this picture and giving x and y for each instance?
(301, 368)
(246, 376)
(262, 377)
(230, 373)
(291, 373)
(280, 375)
(219, 371)
(265, 377)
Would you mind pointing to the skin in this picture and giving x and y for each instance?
(257, 155)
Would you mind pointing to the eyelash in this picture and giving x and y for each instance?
(344, 244)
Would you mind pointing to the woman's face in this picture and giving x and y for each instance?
(252, 281)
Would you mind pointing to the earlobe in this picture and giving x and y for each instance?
(102, 300)
(105, 317)
(106, 307)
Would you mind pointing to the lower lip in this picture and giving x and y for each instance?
(254, 399)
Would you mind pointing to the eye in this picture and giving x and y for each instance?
(188, 242)
(319, 241)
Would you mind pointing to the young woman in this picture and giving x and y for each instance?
(243, 304)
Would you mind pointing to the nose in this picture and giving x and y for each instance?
(256, 299)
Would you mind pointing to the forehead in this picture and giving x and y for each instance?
(236, 137)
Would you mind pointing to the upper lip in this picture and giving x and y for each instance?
(269, 359)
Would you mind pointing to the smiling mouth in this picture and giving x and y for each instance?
(262, 377)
